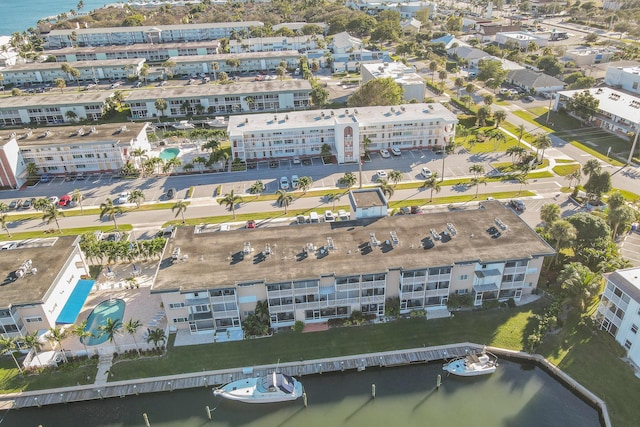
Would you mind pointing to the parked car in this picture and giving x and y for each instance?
(296, 160)
(385, 153)
(171, 193)
(529, 98)
(53, 200)
(28, 204)
(301, 219)
(45, 177)
(313, 217)
(294, 181)
(343, 215)
(426, 172)
(381, 174)
(251, 224)
(517, 205)
(15, 204)
(396, 151)
(405, 210)
(329, 216)
(64, 200)
(416, 210)
(122, 198)
(284, 183)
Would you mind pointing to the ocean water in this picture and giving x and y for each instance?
(18, 15)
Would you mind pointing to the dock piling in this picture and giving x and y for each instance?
(304, 398)
(208, 412)
(373, 391)
(146, 420)
(439, 381)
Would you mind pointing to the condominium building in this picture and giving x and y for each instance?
(44, 284)
(348, 53)
(149, 52)
(247, 62)
(626, 78)
(108, 36)
(90, 71)
(303, 133)
(412, 84)
(587, 55)
(521, 39)
(618, 112)
(53, 108)
(619, 310)
(329, 270)
(221, 99)
(61, 150)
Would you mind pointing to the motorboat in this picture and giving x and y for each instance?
(184, 125)
(472, 365)
(272, 388)
(218, 122)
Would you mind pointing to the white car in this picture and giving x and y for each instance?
(53, 200)
(396, 151)
(426, 173)
(381, 174)
(284, 183)
(294, 181)
(343, 215)
(329, 216)
(122, 198)
(385, 153)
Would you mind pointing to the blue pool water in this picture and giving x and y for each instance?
(169, 153)
(113, 309)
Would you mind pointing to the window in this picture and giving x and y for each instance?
(627, 345)
(634, 329)
(33, 319)
(463, 277)
(179, 320)
(176, 305)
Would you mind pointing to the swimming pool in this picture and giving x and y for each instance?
(113, 309)
(169, 153)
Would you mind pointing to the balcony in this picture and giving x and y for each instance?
(196, 301)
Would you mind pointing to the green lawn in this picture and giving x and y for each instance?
(66, 231)
(566, 169)
(66, 376)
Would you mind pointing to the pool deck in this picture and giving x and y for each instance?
(358, 362)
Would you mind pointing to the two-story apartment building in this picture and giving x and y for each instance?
(90, 71)
(619, 310)
(348, 53)
(109, 36)
(412, 84)
(53, 108)
(303, 133)
(277, 44)
(44, 284)
(329, 270)
(247, 62)
(62, 150)
(625, 78)
(232, 98)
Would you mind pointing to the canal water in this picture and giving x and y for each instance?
(515, 396)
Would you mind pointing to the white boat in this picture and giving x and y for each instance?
(184, 125)
(268, 389)
(218, 122)
(472, 365)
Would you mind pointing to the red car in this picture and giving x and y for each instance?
(251, 224)
(64, 200)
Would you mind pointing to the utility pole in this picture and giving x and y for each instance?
(635, 142)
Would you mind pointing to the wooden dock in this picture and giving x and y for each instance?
(358, 362)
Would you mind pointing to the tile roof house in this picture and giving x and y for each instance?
(534, 81)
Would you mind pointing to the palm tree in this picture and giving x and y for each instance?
(77, 196)
(51, 213)
(476, 170)
(136, 196)
(520, 133)
(56, 336)
(549, 213)
(580, 283)
(498, 138)
(284, 199)
(82, 333)
(516, 152)
(333, 198)
(257, 188)
(161, 105)
(32, 341)
(111, 329)
(214, 68)
(521, 178)
(591, 167)
(475, 181)
(8, 345)
(156, 336)
(230, 200)
(432, 184)
(3, 207)
(433, 66)
(575, 176)
(131, 327)
(60, 84)
(499, 116)
(348, 180)
(386, 189)
(304, 183)
(32, 169)
(110, 210)
(542, 142)
(563, 232)
(459, 84)
(4, 220)
(395, 177)
(180, 207)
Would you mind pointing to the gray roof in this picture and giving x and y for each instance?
(467, 52)
(242, 56)
(532, 79)
(203, 91)
(112, 133)
(47, 256)
(55, 98)
(215, 258)
(132, 47)
(345, 40)
(244, 24)
(37, 66)
(628, 280)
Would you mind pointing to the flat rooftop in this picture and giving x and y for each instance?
(215, 260)
(153, 28)
(41, 66)
(112, 132)
(366, 116)
(203, 91)
(243, 55)
(628, 280)
(47, 255)
(133, 47)
(55, 98)
(368, 198)
(612, 101)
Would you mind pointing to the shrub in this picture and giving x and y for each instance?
(298, 326)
